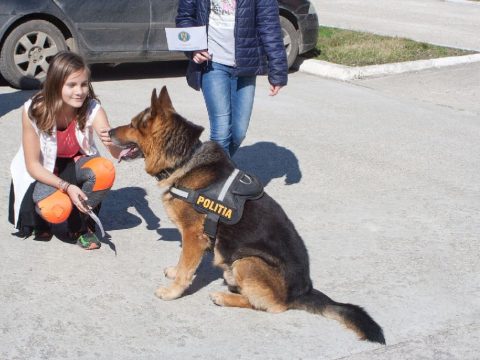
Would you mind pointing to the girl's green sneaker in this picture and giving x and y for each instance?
(89, 241)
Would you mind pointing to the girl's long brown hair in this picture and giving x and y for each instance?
(47, 103)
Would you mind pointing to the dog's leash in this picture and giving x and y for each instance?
(97, 221)
(93, 216)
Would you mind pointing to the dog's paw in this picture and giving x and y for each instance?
(277, 309)
(170, 272)
(168, 293)
(217, 298)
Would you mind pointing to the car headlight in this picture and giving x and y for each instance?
(311, 9)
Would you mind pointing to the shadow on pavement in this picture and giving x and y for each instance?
(3, 82)
(133, 71)
(115, 214)
(268, 161)
(169, 234)
(205, 274)
(14, 100)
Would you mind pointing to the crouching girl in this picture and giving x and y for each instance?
(58, 175)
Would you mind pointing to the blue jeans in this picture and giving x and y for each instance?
(229, 101)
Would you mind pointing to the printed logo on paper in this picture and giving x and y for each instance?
(183, 36)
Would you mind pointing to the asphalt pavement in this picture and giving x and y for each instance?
(380, 177)
(381, 181)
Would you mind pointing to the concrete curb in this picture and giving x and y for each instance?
(345, 73)
(466, 2)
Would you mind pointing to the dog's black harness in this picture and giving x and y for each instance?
(223, 200)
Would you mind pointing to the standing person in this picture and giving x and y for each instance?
(58, 175)
(244, 40)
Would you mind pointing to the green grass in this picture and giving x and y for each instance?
(353, 48)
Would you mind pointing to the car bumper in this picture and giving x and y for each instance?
(308, 30)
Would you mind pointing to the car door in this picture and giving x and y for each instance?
(110, 25)
(163, 15)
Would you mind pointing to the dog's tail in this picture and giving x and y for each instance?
(352, 316)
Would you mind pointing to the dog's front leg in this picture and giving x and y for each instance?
(194, 244)
(170, 272)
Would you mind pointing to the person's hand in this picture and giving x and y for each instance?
(274, 89)
(105, 137)
(78, 198)
(201, 56)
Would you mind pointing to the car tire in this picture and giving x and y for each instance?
(27, 51)
(290, 40)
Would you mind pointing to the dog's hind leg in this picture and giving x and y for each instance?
(229, 278)
(261, 287)
(230, 281)
(227, 271)
(232, 300)
(194, 244)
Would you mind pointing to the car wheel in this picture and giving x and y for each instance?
(290, 40)
(27, 51)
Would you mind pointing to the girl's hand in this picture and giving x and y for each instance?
(105, 137)
(201, 56)
(78, 198)
(101, 126)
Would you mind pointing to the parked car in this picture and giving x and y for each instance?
(111, 31)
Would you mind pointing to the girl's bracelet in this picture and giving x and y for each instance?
(63, 186)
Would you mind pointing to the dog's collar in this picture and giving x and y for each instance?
(165, 173)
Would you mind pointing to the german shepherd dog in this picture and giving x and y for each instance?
(264, 260)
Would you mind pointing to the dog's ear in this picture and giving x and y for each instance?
(153, 105)
(164, 100)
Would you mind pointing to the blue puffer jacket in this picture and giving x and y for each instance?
(259, 45)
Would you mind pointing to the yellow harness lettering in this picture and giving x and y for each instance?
(215, 207)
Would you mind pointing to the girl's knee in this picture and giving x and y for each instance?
(55, 208)
(103, 171)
